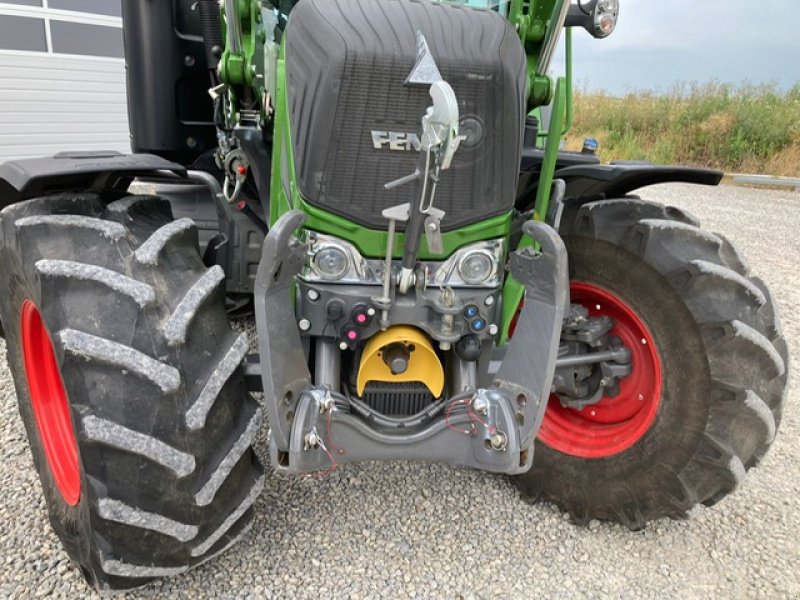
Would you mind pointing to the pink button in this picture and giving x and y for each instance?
(361, 318)
(351, 335)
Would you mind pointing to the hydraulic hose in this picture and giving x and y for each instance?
(211, 27)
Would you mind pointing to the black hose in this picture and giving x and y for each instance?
(211, 27)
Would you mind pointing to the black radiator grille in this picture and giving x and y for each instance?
(346, 65)
(397, 399)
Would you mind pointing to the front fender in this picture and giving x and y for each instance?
(70, 171)
(617, 180)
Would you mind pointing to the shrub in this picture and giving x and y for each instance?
(752, 128)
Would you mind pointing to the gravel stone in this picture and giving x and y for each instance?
(422, 531)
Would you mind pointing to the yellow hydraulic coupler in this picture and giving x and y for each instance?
(401, 354)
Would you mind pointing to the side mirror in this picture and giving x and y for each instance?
(598, 17)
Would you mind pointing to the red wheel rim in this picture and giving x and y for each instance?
(613, 424)
(49, 402)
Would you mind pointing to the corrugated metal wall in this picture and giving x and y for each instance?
(67, 90)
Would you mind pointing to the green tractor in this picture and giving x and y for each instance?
(432, 279)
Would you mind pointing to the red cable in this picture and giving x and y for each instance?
(450, 410)
(490, 428)
(329, 470)
(334, 447)
(329, 433)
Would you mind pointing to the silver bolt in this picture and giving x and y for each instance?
(371, 311)
(304, 324)
(326, 403)
(342, 345)
(188, 60)
(432, 226)
(311, 440)
(313, 295)
(493, 329)
(499, 441)
(480, 405)
(489, 301)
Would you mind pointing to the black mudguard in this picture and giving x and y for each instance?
(616, 180)
(70, 171)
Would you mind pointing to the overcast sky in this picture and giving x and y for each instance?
(660, 42)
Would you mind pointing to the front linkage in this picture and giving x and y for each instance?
(314, 428)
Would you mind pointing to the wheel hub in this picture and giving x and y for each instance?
(613, 424)
(49, 403)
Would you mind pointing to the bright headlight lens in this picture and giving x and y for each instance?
(605, 17)
(331, 262)
(476, 267)
(611, 6)
(606, 24)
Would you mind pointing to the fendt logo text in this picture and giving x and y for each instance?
(395, 140)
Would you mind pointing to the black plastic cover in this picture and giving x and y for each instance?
(169, 110)
(67, 171)
(608, 181)
(347, 62)
(616, 180)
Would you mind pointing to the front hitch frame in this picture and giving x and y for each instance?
(284, 365)
(529, 363)
(314, 428)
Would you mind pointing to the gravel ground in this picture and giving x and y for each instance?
(416, 530)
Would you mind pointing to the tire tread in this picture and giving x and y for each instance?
(73, 246)
(747, 357)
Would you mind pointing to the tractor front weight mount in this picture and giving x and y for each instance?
(486, 428)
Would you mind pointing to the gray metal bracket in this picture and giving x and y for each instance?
(324, 436)
(284, 369)
(527, 370)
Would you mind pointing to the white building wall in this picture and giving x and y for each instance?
(55, 96)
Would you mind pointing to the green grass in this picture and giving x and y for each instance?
(748, 128)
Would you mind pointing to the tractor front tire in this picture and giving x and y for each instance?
(709, 370)
(129, 385)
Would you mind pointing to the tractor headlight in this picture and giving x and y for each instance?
(330, 259)
(606, 13)
(476, 267)
(331, 262)
(611, 6)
